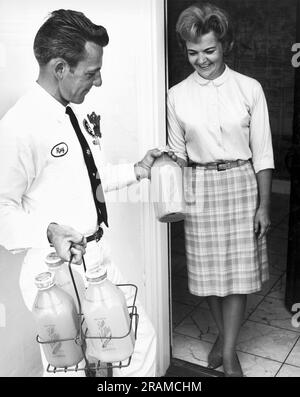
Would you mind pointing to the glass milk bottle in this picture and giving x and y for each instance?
(63, 278)
(167, 193)
(106, 315)
(56, 318)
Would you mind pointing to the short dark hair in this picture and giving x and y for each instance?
(202, 18)
(64, 35)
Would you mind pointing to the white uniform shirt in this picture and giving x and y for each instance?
(43, 176)
(222, 119)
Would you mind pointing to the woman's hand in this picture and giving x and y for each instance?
(262, 221)
(182, 163)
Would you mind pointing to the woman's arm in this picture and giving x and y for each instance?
(262, 220)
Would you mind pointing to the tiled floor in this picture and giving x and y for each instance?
(269, 345)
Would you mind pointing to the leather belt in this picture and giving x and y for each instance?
(96, 236)
(220, 166)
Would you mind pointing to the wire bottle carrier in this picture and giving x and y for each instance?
(92, 368)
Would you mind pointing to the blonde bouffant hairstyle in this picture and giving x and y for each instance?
(202, 18)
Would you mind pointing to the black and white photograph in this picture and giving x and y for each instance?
(150, 191)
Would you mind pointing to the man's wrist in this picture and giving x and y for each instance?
(141, 171)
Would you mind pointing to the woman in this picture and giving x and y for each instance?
(218, 125)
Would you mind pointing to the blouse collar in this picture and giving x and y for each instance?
(216, 82)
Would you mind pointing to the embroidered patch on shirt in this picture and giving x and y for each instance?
(59, 150)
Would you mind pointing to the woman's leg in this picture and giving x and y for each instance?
(215, 305)
(215, 355)
(233, 310)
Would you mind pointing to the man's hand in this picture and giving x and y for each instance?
(67, 242)
(143, 167)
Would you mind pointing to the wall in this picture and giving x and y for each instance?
(265, 32)
(123, 105)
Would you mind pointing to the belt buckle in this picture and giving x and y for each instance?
(221, 166)
(98, 234)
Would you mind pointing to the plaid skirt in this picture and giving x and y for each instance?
(223, 253)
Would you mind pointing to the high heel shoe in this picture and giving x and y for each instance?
(238, 373)
(215, 358)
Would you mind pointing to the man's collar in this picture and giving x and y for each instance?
(53, 106)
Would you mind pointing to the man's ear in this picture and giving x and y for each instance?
(60, 68)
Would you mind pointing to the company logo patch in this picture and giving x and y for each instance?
(59, 150)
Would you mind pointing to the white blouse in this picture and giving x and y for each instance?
(222, 119)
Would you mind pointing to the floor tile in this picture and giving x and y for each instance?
(204, 304)
(191, 350)
(266, 341)
(179, 311)
(253, 300)
(278, 290)
(180, 292)
(268, 285)
(199, 324)
(273, 312)
(254, 366)
(277, 264)
(288, 371)
(294, 357)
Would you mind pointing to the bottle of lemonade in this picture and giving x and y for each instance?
(106, 314)
(56, 318)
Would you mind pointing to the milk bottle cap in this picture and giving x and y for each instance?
(96, 275)
(44, 280)
(53, 260)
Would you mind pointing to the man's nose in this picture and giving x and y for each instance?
(98, 80)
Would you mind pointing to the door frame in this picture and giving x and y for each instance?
(152, 126)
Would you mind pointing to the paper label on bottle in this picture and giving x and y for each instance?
(55, 346)
(105, 333)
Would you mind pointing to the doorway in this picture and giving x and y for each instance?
(269, 344)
